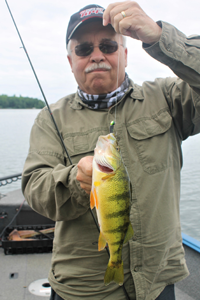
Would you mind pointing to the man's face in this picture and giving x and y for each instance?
(111, 72)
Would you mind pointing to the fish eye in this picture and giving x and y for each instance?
(117, 148)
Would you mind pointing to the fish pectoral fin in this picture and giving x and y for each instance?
(107, 176)
(92, 201)
(101, 242)
(129, 233)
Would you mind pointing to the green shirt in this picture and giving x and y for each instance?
(152, 120)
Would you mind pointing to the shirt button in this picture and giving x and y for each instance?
(135, 237)
(136, 269)
(168, 47)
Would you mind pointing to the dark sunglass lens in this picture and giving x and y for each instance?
(108, 47)
(83, 50)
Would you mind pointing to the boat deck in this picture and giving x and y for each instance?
(18, 271)
(189, 288)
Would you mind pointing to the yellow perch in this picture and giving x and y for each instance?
(110, 195)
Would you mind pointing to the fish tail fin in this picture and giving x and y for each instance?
(114, 273)
(129, 233)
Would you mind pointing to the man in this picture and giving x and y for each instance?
(151, 122)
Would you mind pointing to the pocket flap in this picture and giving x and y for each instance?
(79, 143)
(150, 126)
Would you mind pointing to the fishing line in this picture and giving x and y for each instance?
(112, 123)
(117, 79)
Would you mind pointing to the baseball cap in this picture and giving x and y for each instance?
(86, 13)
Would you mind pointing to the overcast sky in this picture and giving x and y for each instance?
(42, 25)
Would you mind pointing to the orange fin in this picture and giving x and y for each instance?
(102, 242)
(96, 198)
(92, 201)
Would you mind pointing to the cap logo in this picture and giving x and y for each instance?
(89, 11)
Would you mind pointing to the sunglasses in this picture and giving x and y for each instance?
(106, 47)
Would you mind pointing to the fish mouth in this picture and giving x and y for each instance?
(104, 169)
(104, 166)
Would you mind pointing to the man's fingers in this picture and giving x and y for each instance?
(128, 18)
(83, 178)
(84, 173)
(86, 187)
(114, 11)
(85, 165)
(106, 14)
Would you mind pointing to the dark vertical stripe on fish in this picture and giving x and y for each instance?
(119, 197)
(119, 242)
(117, 214)
(122, 228)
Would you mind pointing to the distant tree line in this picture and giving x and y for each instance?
(20, 102)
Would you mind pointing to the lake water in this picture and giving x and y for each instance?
(15, 127)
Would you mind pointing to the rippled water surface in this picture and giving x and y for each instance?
(15, 127)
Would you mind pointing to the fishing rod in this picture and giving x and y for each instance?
(52, 117)
(61, 139)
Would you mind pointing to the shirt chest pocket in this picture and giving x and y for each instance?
(151, 139)
(80, 144)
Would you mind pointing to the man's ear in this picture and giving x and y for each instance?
(70, 61)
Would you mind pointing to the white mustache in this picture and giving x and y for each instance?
(95, 66)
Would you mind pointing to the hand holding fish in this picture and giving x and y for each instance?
(129, 19)
(84, 174)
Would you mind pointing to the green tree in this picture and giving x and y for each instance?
(20, 102)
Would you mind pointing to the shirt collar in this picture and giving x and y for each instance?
(134, 91)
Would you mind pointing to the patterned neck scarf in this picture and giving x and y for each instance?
(104, 100)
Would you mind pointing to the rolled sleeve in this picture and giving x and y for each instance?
(49, 186)
(179, 52)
